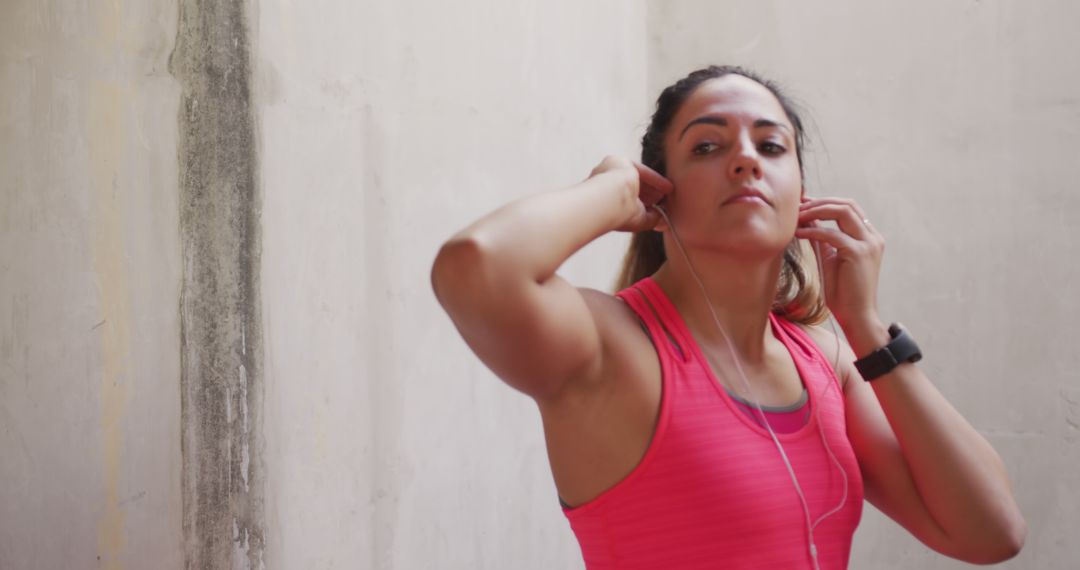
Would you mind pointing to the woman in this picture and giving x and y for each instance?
(701, 417)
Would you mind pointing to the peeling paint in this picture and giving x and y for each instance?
(221, 344)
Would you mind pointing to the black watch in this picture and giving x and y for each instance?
(901, 348)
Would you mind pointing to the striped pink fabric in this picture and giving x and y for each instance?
(712, 490)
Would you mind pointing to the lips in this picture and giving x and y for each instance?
(750, 195)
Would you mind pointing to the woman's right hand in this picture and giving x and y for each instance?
(645, 184)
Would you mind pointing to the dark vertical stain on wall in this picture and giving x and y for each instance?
(221, 341)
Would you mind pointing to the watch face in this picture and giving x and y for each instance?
(904, 348)
(901, 348)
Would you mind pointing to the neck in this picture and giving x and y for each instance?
(741, 290)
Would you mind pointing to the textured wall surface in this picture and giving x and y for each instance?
(385, 128)
(186, 184)
(221, 366)
(89, 281)
(955, 125)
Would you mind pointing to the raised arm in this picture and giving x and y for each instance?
(924, 465)
(496, 278)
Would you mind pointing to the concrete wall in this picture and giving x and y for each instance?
(89, 280)
(387, 126)
(377, 129)
(955, 125)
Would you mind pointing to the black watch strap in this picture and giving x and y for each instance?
(901, 348)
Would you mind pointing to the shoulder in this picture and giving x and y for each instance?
(610, 313)
(829, 343)
(627, 350)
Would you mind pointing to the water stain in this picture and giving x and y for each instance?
(221, 323)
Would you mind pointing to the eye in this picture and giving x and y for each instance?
(771, 148)
(703, 148)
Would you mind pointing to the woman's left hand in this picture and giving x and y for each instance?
(850, 255)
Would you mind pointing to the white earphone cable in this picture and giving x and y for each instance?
(810, 526)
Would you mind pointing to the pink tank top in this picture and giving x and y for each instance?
(711, 490)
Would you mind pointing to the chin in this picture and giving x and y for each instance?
(750, 244)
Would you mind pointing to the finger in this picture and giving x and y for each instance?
(828, 253)
(833, 200)
(646, 190)
(650, 220)
(836, 238)
(826, 266)
(662, 189)
(811, 202)
(845, 217)
(829, 264)
(649, 196)
(653, 178)
(652, 190)
(823, 251)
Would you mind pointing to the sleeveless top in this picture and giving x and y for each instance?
(782, 419)
(711, 490)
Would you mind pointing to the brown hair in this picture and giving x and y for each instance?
(799, 296)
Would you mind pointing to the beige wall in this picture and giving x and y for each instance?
(955, 126)
(385, 126)
(89, 279)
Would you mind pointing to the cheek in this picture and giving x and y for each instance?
(787, 185)
(696, 182)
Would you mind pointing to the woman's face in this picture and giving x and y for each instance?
(732, 138)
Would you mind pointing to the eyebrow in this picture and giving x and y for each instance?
(710, 120)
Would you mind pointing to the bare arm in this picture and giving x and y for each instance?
(925, 465)
(496, 278)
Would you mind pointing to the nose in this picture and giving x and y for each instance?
(744, 163)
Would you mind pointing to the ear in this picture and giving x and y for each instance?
(662, 225)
